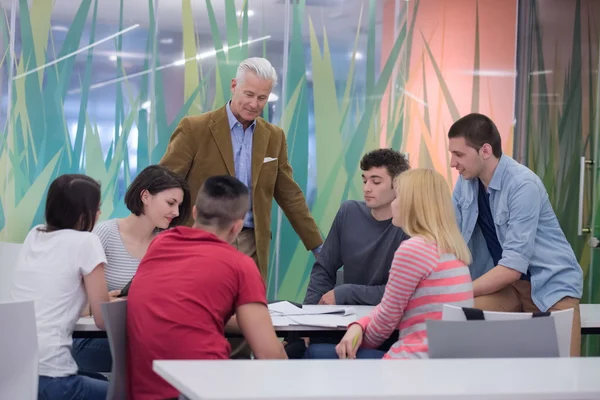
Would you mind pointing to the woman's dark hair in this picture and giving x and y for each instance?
(72, 202)
(155, 179)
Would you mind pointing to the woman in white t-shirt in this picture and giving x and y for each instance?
(61, 268)
(158, 199)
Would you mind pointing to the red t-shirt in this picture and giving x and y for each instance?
(186, 288)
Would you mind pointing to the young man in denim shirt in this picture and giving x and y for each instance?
(522, 261)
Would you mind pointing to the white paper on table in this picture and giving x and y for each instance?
(281, 320)
(287, 308)
(328, 309)
(324, 320)
(284, 308)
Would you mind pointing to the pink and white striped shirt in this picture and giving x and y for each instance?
(421, 281)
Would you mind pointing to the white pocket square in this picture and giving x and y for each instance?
(269, 159)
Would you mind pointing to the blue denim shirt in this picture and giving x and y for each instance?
(242, 156)
(527, 229)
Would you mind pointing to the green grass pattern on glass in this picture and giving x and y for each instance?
(556, 139)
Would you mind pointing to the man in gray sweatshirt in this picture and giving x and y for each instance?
(362, 238)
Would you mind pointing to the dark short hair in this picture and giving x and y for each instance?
(221, 201)
(392, 160)
(156, 179)
(72, 202)
(477, 130)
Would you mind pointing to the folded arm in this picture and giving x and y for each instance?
(360, 295)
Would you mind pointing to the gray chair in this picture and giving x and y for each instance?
(9, 254)
(467, 332)
(115, 320)
(18, 351)
(563, 321)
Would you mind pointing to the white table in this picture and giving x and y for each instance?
(590, 323)
(86, 324)
(86, 327)
(590, 318)
(481, 379)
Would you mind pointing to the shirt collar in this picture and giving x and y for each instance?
(233, 120)
(496, 182)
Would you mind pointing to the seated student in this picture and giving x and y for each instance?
(188, 287)
(61, 268)
(362, 238)
(522, 260)
(428, 271)
(158, 199)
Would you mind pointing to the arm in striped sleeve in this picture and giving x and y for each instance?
(412, 262)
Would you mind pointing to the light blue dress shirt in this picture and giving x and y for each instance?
(242, 156)
(241, 141)
(528, 230)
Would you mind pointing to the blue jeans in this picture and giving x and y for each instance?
(74, 387)
(92, 355)
(327, 351)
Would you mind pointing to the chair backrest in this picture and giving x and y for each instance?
(9, 254)
(563, 321)
(530, 338)
(115, 320)
(18, 351)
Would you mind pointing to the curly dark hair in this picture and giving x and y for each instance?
(394, 161)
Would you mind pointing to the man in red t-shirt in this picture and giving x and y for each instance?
(190, 287)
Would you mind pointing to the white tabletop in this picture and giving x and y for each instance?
(86, 324)
(590, 315)
(590, 318)
(482, 379)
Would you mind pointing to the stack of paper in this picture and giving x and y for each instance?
(284, 313)
(282, 320)
(283, 308)
(287, 308)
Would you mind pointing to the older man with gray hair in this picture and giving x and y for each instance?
(235, 140)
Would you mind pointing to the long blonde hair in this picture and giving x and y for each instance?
(424, 207)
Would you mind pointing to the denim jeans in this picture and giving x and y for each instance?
(74, 387)
(92, 355)
(327, 351)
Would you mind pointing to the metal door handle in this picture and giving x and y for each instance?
(580, 229)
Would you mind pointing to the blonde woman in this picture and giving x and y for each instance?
(429, 270)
